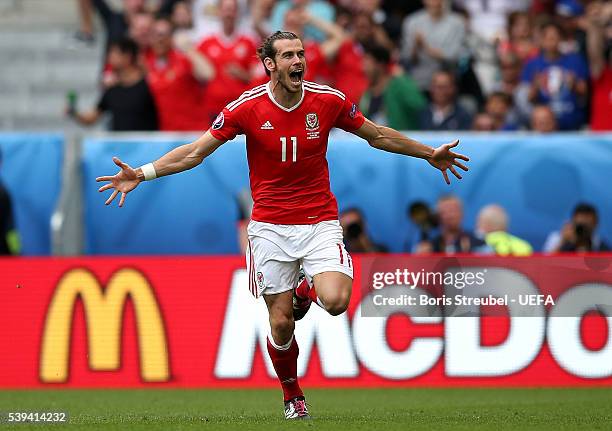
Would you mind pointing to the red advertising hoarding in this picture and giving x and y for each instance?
(191, 322)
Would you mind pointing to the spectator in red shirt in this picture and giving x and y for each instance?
(361, 31)
(233, 56)
(599, 16)
(176, 77)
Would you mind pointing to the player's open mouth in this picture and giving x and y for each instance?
(296, 76)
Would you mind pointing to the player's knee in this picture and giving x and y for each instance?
(282, 325)
(338, 303)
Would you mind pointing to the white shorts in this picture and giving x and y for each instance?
(275, 253)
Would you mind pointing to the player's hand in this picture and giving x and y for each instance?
(443, 158)
(123, 182)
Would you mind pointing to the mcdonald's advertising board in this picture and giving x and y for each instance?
(192, 322)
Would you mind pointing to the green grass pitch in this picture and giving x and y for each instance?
(333, 409)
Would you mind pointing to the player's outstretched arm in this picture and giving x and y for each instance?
(178, 160)
(388, 139)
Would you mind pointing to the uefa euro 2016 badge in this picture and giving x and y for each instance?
(260, 280)
(312, 126)
(353, 111)
(218, 123)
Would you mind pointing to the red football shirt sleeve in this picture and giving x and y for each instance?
(227, 125)
(349, 116)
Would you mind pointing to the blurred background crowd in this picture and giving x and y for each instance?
(484, 65)
(431, 65)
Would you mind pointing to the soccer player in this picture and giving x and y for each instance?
(295, 216)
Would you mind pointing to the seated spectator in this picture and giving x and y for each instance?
(557, 80)
(232, 54)
(394, 101)
(509, 74)
(317, 8)
(443, 112)
(543, 119)
(453, 238)
(500, 107)
(520, 41)
(9, 238)
(483, 122)
(176, 79)
(579, 234)
(492, 224)
(356, 238)
(599, 47)
(432, 39)
(129, 100)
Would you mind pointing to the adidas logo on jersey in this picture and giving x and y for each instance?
(267, 126)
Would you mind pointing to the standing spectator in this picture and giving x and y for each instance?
(206, 21)
(569, 14)
(318, 8)
(599, 48)
(453, 238)
(492, 224)
(233, 56)
(558, 80)
(543, 119)
(391, 100)
(9, 238)
(129, 101)
(520, 40)
(318, 55)
(489, 17)
(356, 238)
(176, 79)
(116, 23)
(579, 234)
(443, 112)
(361, 30)
(432, 39)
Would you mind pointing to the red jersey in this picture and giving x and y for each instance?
(224, 53)
(601, 101)
(286, 150)
(177, 93)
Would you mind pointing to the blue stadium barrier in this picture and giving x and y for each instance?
(31, 171)
(538, 179)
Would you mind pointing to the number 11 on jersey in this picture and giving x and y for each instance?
(284, 148)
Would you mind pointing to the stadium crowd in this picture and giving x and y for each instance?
(542, 65)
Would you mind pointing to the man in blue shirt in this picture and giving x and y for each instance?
(558, 80)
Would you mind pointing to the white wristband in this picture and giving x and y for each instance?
(148, 171)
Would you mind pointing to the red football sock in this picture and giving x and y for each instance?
(304, 290)
(285, 365)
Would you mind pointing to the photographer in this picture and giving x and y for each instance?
(356, 238)
(578, 235)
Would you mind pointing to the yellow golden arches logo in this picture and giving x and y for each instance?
(103, 313)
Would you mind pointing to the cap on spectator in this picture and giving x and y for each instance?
(569, 8)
